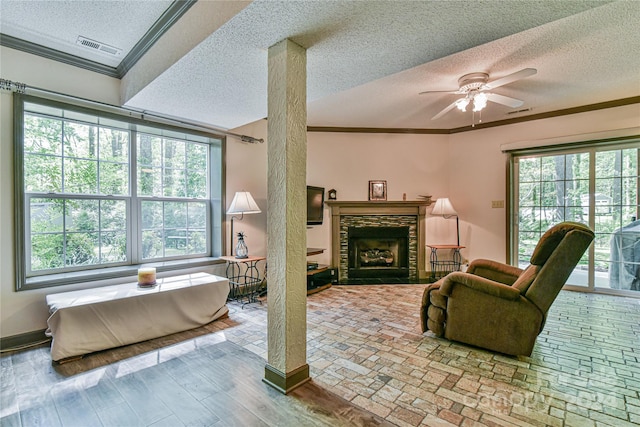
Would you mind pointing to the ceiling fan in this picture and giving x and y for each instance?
(476, 86)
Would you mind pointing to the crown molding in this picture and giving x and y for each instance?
(157, 30)
(376, 130)
(549, 114)
(556, 113)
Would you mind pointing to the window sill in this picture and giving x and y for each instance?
(52, 280)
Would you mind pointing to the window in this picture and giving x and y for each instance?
(174, 171)
(595, 184)
(102, 193)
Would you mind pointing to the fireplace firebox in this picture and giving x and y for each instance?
(378, 252)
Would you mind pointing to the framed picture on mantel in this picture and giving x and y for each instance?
(377, 190)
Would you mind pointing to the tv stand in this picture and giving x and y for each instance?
(319, 276)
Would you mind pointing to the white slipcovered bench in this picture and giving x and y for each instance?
(96, 319)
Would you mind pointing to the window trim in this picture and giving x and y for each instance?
(108, 273)
(215, 198)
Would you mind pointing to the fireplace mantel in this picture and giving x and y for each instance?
(377, 207)
(341, 209)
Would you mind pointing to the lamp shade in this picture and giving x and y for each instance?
(444, 208)
(243, 203)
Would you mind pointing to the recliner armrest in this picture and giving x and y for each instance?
(497, 271)
(479, 284)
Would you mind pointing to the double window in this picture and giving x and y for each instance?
(101, 193)
(595, 183)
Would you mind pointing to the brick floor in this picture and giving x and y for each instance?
(365, 344)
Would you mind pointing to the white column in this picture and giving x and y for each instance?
(287, 365)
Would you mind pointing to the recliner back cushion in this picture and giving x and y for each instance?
(555, 272)
(526, 278)
(552, 238)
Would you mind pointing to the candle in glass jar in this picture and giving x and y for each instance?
(147, 276)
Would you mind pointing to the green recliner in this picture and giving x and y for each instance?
(501, 307)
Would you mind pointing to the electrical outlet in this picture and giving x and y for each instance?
(497, 204)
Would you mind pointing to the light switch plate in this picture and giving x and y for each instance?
(497, 204)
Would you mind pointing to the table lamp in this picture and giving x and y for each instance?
(444, 208)
(242, 203)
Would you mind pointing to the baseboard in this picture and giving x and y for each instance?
(21, 340)
(285, 383)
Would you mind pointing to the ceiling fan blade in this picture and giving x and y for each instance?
(445, 111)
(526, 72)
(438, 91)
(505, 100)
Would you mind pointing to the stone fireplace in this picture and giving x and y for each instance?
(378, 240)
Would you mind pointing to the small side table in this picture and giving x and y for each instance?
(444, 267)
(244, 278)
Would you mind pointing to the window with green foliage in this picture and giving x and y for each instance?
(595, 184)
(100, 192)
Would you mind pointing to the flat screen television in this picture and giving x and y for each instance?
(315, 205)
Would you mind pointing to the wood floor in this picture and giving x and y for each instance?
(201, 381)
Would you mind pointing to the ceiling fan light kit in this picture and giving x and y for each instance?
(462, 103)
(479, 101)
(474, 87)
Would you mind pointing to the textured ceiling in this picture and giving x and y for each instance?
(368, 60)
(583, 59)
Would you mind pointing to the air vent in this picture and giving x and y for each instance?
(97, 46)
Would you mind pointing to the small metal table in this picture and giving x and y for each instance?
(441, 266)
(244, 278)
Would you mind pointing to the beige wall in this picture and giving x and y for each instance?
(247, 171)
(469, 168)
(411, 164)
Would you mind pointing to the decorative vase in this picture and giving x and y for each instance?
(241, 248)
